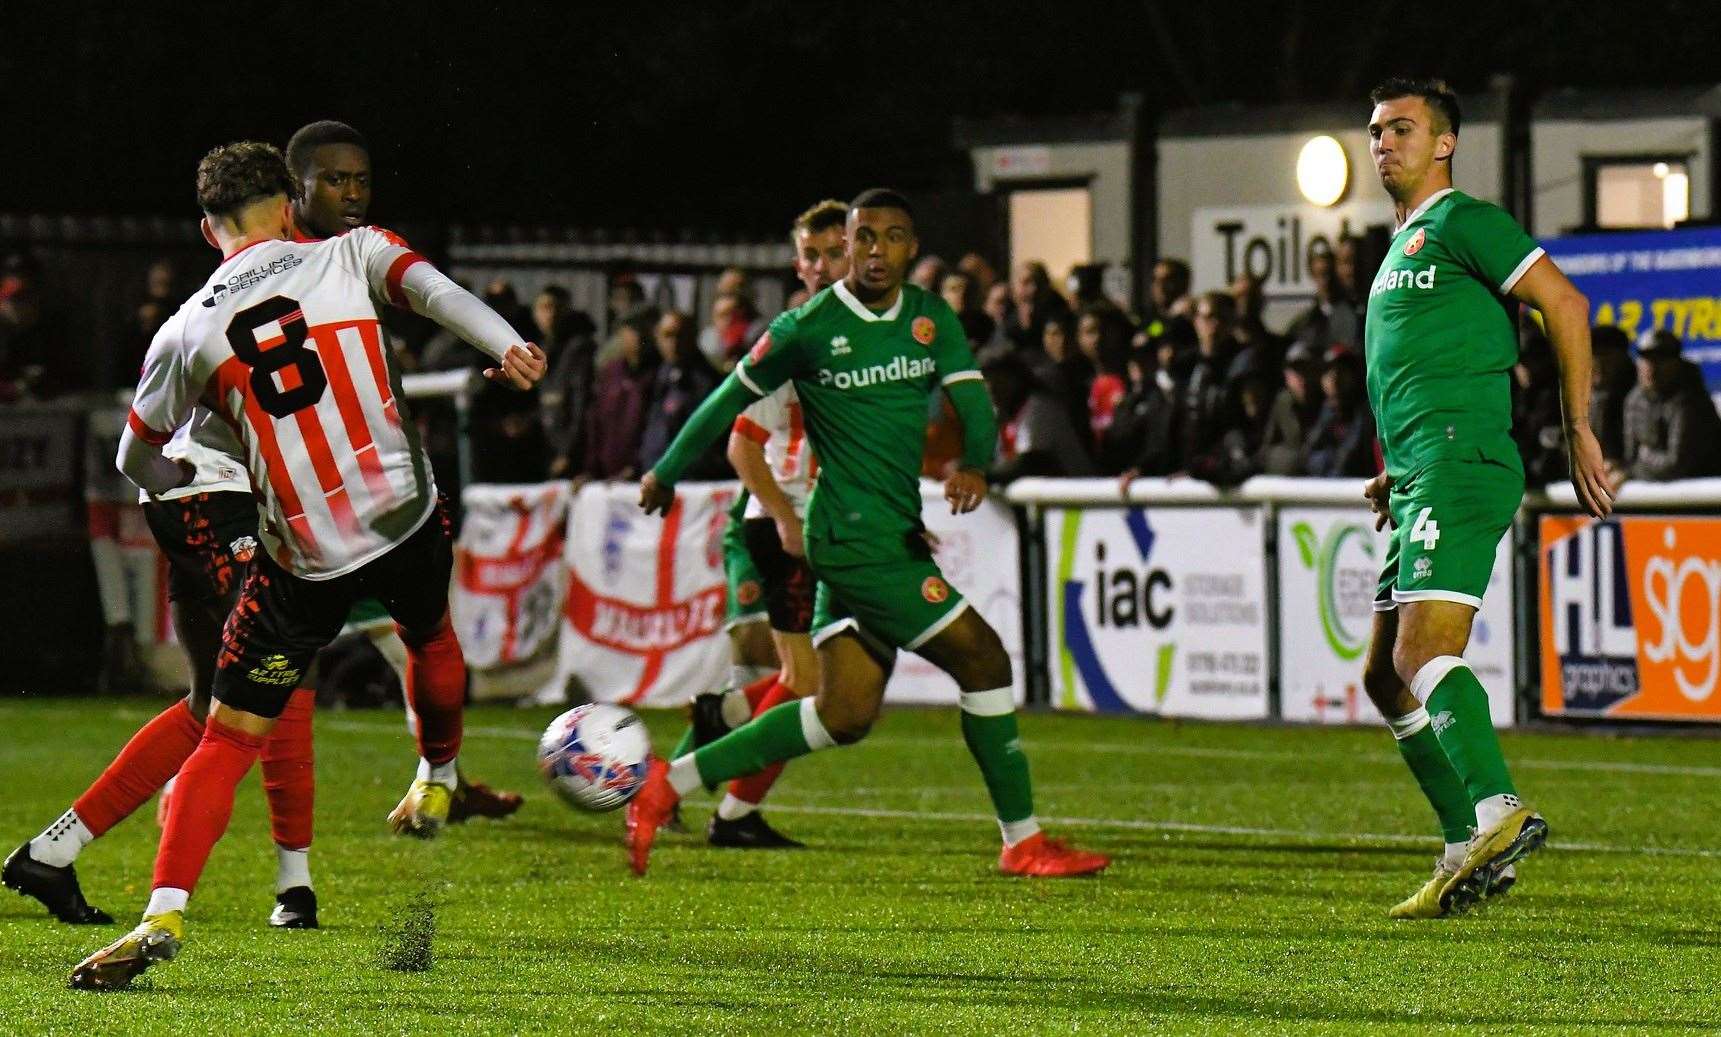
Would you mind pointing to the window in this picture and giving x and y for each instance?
(1637, 190)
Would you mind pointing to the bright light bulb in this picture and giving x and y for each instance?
(1660, 170)
(1323, 171)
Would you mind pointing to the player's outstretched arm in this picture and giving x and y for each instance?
(428, 291)
(1566, 315)
(713, 418)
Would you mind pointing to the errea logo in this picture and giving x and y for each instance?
(840, 346)
(1391, 280)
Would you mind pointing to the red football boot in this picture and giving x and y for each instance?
(476, 799)
(650, 809)
(1040, 857)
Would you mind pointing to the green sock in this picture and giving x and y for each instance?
(685, 746)
(780, 733)
(1440, 783)
(1458, 706)
(992, 739)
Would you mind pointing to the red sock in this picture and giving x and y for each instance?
(203, 803)
(153, 755)
(757, 691)
(753, 787)
(289, 778)
(436, 691)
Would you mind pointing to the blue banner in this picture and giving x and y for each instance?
(1655, 279)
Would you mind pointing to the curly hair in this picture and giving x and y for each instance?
(233, 175)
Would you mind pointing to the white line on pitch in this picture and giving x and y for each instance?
(1199, 829)
(1114, 748)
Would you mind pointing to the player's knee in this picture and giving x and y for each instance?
(983, 664)
(1380, 682)
(846, 724)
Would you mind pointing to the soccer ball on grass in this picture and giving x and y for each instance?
(595, 756)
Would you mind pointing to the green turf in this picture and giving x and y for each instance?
(1253, 870)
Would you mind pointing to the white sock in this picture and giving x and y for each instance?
(59, 843)
(736, 709)
(163, 899)
(1494, 809)
(444, 774)
(684, 775)
(1455, 854)
(292, 868)
(733, 808)
(743, 674)
(1017, 831)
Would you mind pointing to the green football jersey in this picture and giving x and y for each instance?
(1441, 338)
(863, 379)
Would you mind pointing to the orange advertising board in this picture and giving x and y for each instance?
(1631, 617)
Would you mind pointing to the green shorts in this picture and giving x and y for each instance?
(888, 591)
(746, 586)
(366, 615)
(1447, 521)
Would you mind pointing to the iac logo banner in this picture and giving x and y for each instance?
(1157, 611)
(1631, 617)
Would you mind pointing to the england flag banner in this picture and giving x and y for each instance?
(642, 619)
(508, 574)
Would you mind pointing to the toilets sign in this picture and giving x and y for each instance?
(1273, 242)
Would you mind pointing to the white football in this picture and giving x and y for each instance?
(595, 755)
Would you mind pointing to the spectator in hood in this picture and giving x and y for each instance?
(1671, 427)
(1341, 445)
(1295, 410)
(615, 421)
(683, 379)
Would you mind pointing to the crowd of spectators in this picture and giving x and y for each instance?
(1194, 384)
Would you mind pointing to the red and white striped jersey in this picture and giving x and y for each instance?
(285, 345)
(774, 422)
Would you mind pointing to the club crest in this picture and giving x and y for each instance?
(1414, 245)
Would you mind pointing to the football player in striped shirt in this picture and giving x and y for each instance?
(284, 344)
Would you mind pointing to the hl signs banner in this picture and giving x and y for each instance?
(1631, 617)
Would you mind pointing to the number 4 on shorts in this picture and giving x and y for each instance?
(1424, 530)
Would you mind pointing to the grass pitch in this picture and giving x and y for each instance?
(1254, 867)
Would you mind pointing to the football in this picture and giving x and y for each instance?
(594, 755)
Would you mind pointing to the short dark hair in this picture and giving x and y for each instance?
(882, 198)
(820, 217)
(314, 135)
(1439, 97)
(233, 175)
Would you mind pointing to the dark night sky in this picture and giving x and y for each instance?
(722, 115)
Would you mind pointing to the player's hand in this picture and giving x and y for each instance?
(1378, 492)
(1130, 475)
(965, 490)
(187, 472)
(522, 367)
(1589, 472)
(655, 497)
(789, 532)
